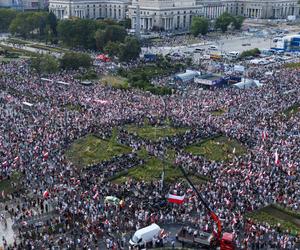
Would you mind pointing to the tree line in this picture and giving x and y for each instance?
(200, 25)
(46, 64)
(106, 35)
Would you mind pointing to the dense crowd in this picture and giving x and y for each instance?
(33, 140)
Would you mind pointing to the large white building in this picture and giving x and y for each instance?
(177, 14)
(24, 4)
(266, 9)
(170, 14)
(93, 9)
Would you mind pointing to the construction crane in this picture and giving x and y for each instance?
(224, 240)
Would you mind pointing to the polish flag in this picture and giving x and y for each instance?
(46, 194)
(176, 198)
(264, 135)
(96, 195)
(276, 158)
(45, 155)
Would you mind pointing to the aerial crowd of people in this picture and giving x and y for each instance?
(39, 120)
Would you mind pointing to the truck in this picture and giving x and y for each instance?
(213, 240)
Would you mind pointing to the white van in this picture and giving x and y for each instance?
(145, 235)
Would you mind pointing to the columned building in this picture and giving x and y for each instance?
(92, 9)
(212, 9)
(166, 15)
(177, 14)
(265, 9)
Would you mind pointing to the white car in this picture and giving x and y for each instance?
(213, 47)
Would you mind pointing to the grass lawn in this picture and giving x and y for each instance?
(218, 112)
(91, 150)
(275, 215)
(7, 185)
(17, 41)
(18, 51)
(5, 59)
(294, 65)
(292, 110)
(152, 170)
(115, 81)
(48, 48)
(74, 107)
(155, 133)
(217, 149)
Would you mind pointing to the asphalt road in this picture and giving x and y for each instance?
(224, 45)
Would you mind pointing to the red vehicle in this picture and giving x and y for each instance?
(223, 240)
(103, 58)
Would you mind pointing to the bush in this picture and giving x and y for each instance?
(90, 75)
(252, 52)
(72, 60)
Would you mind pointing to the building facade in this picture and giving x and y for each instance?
(90, 9)
(264, 9)
(177, 14)
(24, 4)
(165, 15)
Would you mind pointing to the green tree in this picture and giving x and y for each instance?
(52, 22)
(199, 26)
(250, 52)
(112, 33)
(100, 39)
(238, 22)
(29, 24)
(130, 49)
(74, 60)
(77, 33)
(44, 64)
(20, 25)
(112, 48)
(126, 23)
(6, 17)
(223, 21)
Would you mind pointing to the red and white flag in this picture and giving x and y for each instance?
(276, 158)
(46, 194)
(176, 198)
(96, 195)
(264, 135)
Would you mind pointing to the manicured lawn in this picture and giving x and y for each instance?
(115, 81)
(155, 133)
(4, 59)
(7, 185)
(17, 41)
(48, 48)
(276, 215)
(91, 150)
(74, 107)
(294, 65)
(217, 149)
(218, 112)
(17, 51)
(292, 110)
(152, 170)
